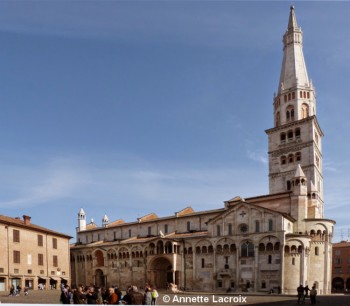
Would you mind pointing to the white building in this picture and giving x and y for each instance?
(255, 244)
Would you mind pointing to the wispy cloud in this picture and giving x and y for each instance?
(127, 185)
(257, 156)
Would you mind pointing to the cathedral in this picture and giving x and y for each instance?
(275, 241)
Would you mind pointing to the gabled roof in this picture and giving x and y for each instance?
(148, 217)
(116, 222)
(30, 226)
(185, 211)
(233, 206)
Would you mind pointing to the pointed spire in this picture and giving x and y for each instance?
(293, 71)
(299, 172)
(292, 23)
(81, 211)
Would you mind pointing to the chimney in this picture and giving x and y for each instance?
(26, 219)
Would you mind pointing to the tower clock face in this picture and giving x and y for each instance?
(243, 228)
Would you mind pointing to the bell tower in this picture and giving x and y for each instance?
(296, 137)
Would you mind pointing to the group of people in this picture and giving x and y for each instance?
(110, 296)
(16, 290)
(303, 293)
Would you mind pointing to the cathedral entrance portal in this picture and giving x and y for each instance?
(99, 278)
(161, 272)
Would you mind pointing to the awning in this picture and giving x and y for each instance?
(43, 277)
(55, 278)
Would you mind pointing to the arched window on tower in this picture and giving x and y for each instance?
(289, 97)
(283, 160)
(292, 115)
(304, 111)
(298, 156)
(316, 251)
(290, 135)
(297, 133)
(283, 137)
(293, 95)
(290, 158)
(308, 95)
(289, 185)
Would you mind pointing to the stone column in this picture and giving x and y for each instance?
(256, 267)
(214, 267)
(237, 266)
(282, 268)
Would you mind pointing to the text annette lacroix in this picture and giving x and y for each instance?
(204, 299)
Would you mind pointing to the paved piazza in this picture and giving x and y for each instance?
(52, 297)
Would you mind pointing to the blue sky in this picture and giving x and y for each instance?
(132, 107)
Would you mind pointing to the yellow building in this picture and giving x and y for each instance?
(32, 255)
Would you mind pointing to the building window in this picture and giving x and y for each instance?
(247, 249)
(219, 283)
(40, 259)
(16, 237)
(290, 135)
(16, 257)
(289, 185)
(188, 226)
(129, 233)
(337, 261)
(55, 261)
(269, 260)
(230, 229)
(270, 225)
(263, 284)
(40, 240)
(203, 262)
(149, 231)
(316, 138)
(218, 230)
(290, 158)
(316, 251)
(16, 271)
(42, 272)
(29, 259)
(297, 133)
(283, 137)
(30, 271)
(257, 226)
(293, 261)
(165, 228)
(1, 270)
(317, 161)
(283, 160)
(298, 156)
(243, 228)
(54, 243)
